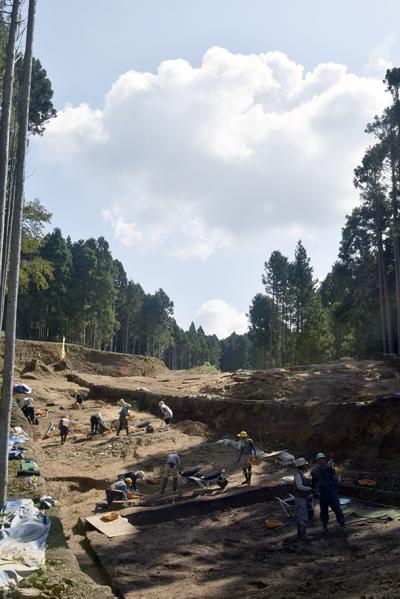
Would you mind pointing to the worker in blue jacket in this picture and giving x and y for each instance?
(325, 486)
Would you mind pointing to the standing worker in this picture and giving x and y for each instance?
(63, 425)
(247, 453)
(302, 493)
(79, 400)
(123, 419)
(172, 466)
(95, 420)
(325, 486)
(167, 414)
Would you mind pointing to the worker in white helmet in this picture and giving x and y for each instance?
(302, 493)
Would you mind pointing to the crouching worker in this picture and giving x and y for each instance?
(172, 467)
(134, 477)
(118, 491)
(325, 486)
(247, 453)
(95, 420)
(303, 496)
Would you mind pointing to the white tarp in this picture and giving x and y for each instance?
(23, 544)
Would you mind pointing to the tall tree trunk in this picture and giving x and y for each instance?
(386, 297)
(395, 237)
(382, 304)
(12, 299)
(6, 105)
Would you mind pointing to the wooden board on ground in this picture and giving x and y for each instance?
(116, 528)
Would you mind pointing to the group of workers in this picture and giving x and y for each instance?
(123, 424)
(324, 486)
(96, 418)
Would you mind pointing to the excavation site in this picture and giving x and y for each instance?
(209, 534)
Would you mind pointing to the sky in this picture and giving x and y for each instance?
(199, 136)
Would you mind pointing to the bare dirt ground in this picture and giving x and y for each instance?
(228, 553)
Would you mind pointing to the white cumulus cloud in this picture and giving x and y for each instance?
(194, 159)
(220, 318)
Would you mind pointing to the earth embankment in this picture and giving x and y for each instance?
(339, 407)
(83, 359)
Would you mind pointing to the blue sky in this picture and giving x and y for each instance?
(196, 173)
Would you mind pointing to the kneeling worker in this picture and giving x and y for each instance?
(247, 452)
(302, 493)
(172, 467)
(117, 491)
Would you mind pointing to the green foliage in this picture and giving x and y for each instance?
(41, 108)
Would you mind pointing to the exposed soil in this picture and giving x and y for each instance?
(86, 360)
(229, 553)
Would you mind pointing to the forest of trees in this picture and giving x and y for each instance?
(83, 294)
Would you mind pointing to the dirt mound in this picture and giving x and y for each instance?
(190, 427)
(34, 365)
(86, 360)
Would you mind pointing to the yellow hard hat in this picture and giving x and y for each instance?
(242, 434)
(140, 473)
(128, 481)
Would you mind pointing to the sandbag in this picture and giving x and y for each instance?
(28, 468)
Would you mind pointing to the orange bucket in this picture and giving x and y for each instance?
(273, 524)
(366, 482)
(110, 517)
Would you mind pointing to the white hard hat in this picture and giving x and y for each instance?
(301, 462)
(321, 456)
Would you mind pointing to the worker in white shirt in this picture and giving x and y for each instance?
(172, 467)
(167, 414)
(303, 494)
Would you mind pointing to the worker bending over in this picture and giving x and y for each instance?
(303, 497)
(167, 414)
(325, 486)
(247, 452)
(172, 467)
(28, 409)
(134, 477)
(95, 420)
(118, 490)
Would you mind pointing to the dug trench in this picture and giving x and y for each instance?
(223, 548)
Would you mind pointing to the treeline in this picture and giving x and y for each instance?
(288, 323)
(362, 291)
(355, 311)
(84, 295)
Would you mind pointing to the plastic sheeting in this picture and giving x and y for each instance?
(22, 546)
